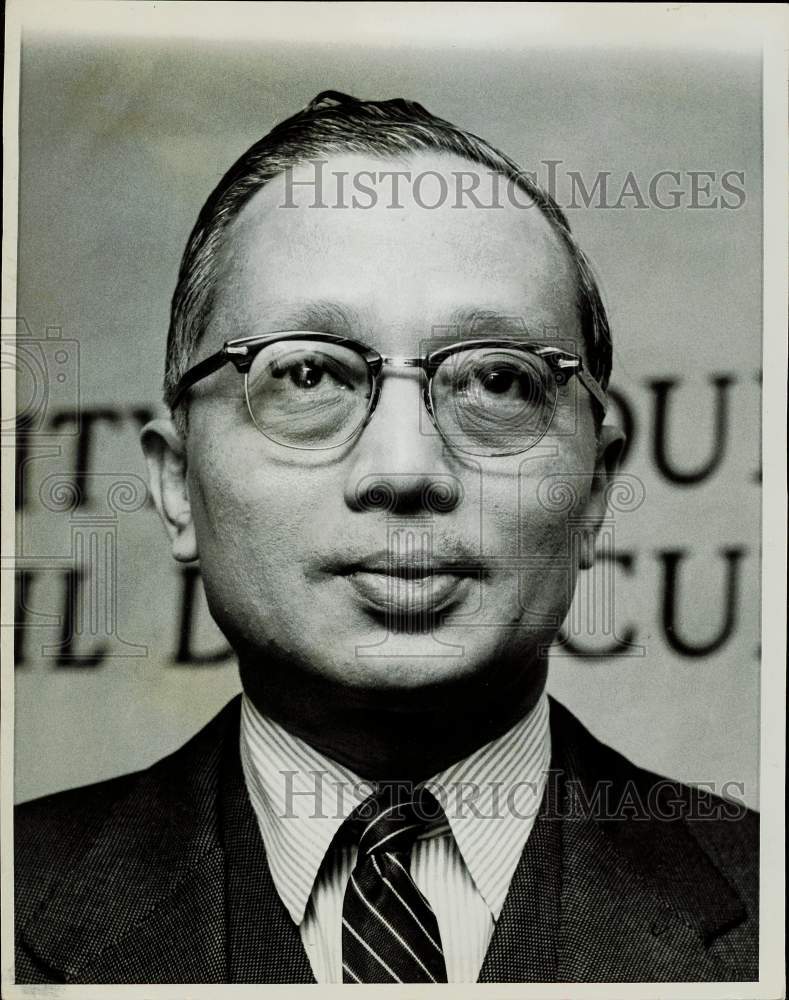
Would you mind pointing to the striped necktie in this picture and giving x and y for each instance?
(389, 931)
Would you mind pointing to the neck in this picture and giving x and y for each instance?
(386, 736)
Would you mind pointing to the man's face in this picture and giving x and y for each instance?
(296, 555)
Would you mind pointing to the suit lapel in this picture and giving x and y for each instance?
(602, 893)
(623, 923)
(145, 901)
(175, 886)
(523, 948)
(264, 945)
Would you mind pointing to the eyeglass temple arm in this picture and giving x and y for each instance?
(593, 386)
(202, 369)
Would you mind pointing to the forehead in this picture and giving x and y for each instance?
(392, 265)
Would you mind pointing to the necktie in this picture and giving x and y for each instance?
(389, 931)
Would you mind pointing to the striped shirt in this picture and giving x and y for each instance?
(463, 862)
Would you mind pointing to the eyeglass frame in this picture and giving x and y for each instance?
(242, 351)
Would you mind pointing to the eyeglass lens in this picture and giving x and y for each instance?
(493, 401)
(486, 401)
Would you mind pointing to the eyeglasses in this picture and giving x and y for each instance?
(316, 391)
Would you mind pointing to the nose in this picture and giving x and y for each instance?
(399, 463)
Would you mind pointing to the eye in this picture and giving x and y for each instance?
(308, 373)
(304, 375)
(498, 381)
(506, 379)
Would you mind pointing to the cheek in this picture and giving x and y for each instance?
(533, 508)
(528, 537)
(245, 516)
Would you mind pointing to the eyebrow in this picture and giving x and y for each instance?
(320, 315)
(481, 321)
(327, 316)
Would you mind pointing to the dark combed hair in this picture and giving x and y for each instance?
(334, 123)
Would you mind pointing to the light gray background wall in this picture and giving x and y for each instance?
(120, 144)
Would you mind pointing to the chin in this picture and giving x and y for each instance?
(410, 665)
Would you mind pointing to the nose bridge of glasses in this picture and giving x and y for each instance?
(399, 368)
(403, 365)
(403, 362)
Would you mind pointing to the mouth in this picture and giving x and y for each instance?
(407, 597)
(410, 588)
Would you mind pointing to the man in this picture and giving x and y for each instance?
(386, 351)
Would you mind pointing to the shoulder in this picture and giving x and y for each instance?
(676, 865)
(650, 817)
(628, 789)
(65, 817)
(54, 834)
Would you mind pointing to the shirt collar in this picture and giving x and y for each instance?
(301, 798)
(491, 799)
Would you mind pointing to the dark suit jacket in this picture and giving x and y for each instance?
(161, 877)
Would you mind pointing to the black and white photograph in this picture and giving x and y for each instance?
(394, 498)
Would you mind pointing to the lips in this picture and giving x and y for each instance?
(407, 596)
(410, 586)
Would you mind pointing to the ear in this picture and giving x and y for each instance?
(166, 458)
(610, 444)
